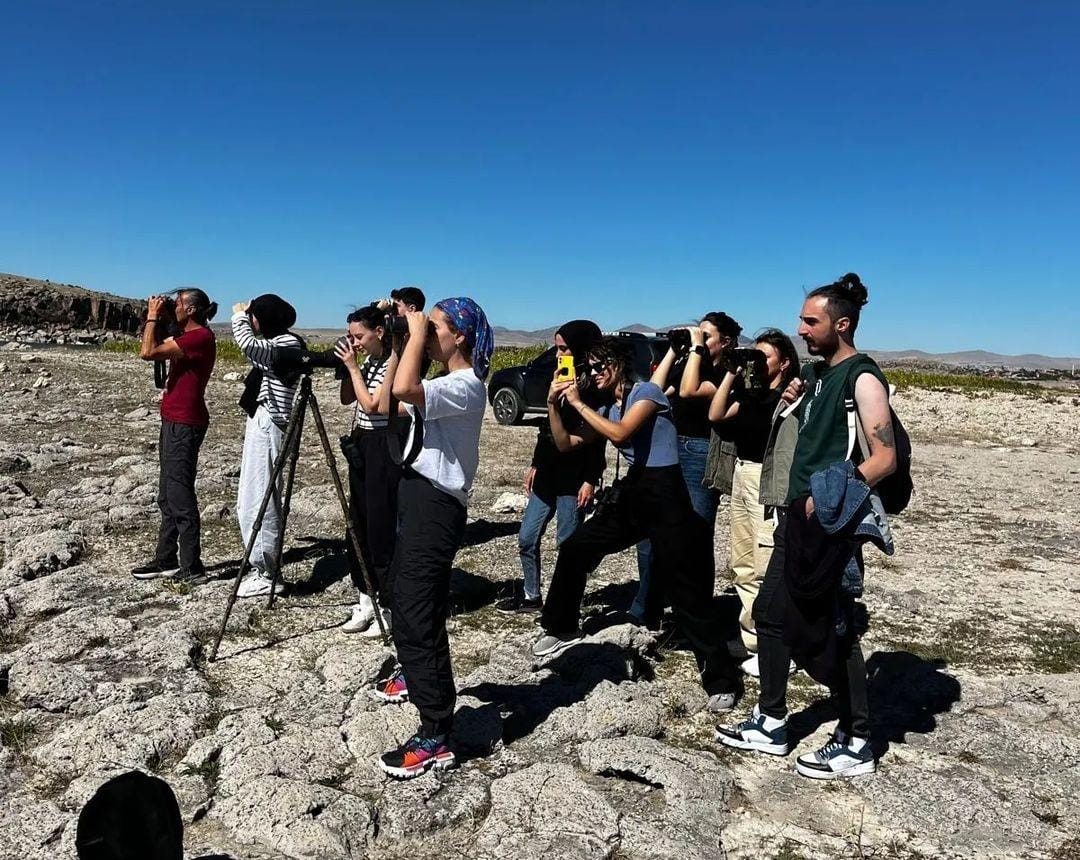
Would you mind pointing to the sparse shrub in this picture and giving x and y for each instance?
(17, 734)
(209, 770)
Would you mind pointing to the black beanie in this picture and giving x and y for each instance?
(275, 315)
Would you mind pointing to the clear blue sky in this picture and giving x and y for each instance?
(626, 161)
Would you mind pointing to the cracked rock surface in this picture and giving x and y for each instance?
(603, 751)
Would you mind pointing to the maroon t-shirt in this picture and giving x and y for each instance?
(183, 402)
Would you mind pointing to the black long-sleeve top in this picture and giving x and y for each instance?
(559, 474)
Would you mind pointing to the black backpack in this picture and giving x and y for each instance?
(895, 490)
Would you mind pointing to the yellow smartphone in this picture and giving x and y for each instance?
(566, 368)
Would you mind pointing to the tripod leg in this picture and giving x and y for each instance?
(332, 464)
(279, 466)
(294, 456)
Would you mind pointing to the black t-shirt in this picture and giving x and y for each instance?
(559, 474)
(749, 429)
(691, 415)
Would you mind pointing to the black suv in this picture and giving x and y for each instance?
(515, 391)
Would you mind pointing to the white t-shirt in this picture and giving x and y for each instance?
(453, 412)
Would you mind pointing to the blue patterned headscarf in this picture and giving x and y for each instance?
(470, 320)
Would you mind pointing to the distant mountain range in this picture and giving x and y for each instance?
(26, 300)
(966, 358)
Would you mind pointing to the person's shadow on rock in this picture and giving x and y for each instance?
(577, 671)
(907, 693)
(481, 531)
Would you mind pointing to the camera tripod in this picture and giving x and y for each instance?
(285, 463)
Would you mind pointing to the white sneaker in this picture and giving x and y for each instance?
(842, 757)
(753, 669)
(257, 583)
(373, 631)
(363, 613)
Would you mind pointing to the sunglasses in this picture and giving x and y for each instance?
(596, 367)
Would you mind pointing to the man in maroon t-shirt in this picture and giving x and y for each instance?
(184, 419)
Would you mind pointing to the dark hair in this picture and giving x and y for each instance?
(199, 303)
(845, 298)
(783, 345)
(371, 316)
(617, 352)
(724, 324)
(410, 295)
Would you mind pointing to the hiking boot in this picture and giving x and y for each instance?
(192, 576)
(417, 755)
(842, 757)
(257, 583)
(752, 667)
(372, 631)
(519, 605)
(759, 732)
(363, 613)
(155, 570)
(393, 689)
(549, 644)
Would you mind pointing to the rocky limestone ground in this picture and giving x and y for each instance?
(604, 751)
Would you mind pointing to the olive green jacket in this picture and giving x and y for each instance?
(719, 465)
(779, 452)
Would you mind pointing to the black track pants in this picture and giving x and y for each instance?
(432, 527)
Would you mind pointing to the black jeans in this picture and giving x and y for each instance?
(850, 693)
(178, 453)
(432, 527)
(373, 500)
(654, 504)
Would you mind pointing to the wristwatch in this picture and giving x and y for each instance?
(698, 349)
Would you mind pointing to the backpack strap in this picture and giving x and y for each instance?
(856, 435)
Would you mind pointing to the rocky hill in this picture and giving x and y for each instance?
(36, 312)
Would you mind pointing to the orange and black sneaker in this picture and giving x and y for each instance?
(393, 689)
(417, 755)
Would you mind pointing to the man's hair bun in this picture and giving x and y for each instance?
(853, 285)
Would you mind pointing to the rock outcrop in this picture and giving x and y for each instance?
(36, 312)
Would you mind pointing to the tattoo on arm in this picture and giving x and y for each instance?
(884, 434)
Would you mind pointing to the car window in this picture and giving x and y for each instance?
(545, 359)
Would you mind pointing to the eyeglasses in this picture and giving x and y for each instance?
(596, 367)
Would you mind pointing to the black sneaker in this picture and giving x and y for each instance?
(155, 570)
(417, 755)
(192, 575)
(523, 605)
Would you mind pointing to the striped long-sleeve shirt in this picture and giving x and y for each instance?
(274, 394)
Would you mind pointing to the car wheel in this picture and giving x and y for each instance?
(508, 406)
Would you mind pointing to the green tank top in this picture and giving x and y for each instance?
(822, 414)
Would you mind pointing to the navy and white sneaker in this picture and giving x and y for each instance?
(841, 758)
(760, 732)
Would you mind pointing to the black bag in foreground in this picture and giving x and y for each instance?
(133, 816)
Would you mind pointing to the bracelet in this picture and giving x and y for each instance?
(151, 319)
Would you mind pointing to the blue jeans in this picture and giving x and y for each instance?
(693, 453)
(534, 521)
